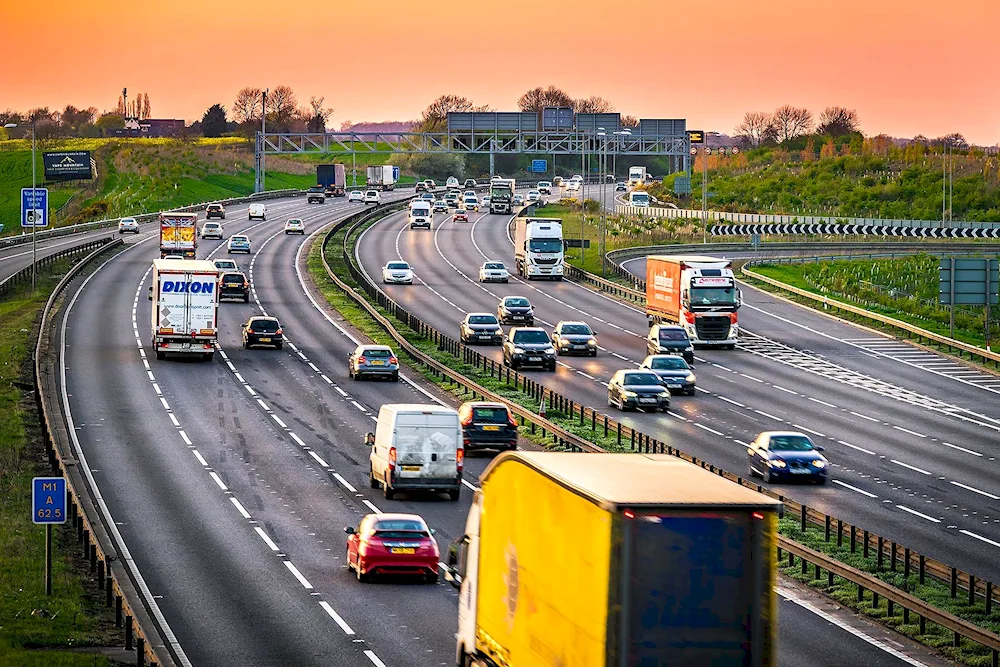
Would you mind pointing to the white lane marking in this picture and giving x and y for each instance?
(788, 391)
(319, 459)
(218, 480)
(854, 488)
(470, 486)
(980, 537)
(250, 390)
(267, 540)
(263, 404)
(975, 490)
(961, 449)
(916, 513)
(370, 506)
(809, 430)
(750, 377)
(185, 438)
(816, 400)
(729, 400)
(340, 391)
(710, 430)
(329, 381)
(906, 430)
(907, 465)
(298, 575)
(313, 366)
(336, 617)
(374, 658)
(174, 419)
(239, 507)
(166, 406)
(871, 419)
(201, 459)
(860, 449)
(343, 481)
(359, 406)
(278, 421)
(298, 440)
(767, 414)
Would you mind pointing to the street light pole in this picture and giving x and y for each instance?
(34, 222)
(263, 118)
(704, 194)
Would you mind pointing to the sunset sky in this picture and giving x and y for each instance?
(908, 66)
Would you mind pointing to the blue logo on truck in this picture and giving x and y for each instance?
(180, 287)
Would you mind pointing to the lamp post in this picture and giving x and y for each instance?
(34, 279)
(614, 158)
(602, 168)
(263, 118)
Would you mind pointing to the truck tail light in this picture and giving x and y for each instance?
(689, 316)
(459, 459)
(392, 459)
(732, 318)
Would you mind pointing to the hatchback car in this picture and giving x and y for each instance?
(489, 425)
(391, 543)
(544, 187)
(261, 330)
(373, 360)
(518, 200)
(515, 309)
(212, 230)
(471, 204)
(225, 265)
(451, 199)
(470, 182)
(420, 187)
(128, 225)
(355, 195)
(399, 273)
(574, 338)
(493, 272)
(460, 215)
(238, 243)
(485, 201)
(635, 389)
(429, 182)
(428, 197)
(669, 339)
(621, 187)
(480, 328)
(673, 371)
(234, 285)
(528, 346)
(440, 206)
(534, 195)
(295, 226)
(372, 197)
(215, 211)
(780, 455)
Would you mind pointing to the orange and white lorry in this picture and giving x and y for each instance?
(178, 234)
(698, 293)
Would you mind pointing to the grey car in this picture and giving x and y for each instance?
(528, 346)
(669, 339)
(574, 338)
(515, 310)
(481, 328)
(635, 389)
(673, 371)
(374, 361)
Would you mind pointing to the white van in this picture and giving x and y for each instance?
(416, 448)
(638, 198)
(257, 211)
(420, 214)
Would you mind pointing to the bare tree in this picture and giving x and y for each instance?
(593, 104)
(630, 121)
(436, 113)
(317, 115)
(538, 98)
(246, 108)
(346, 126)
(953, 140)
(756, 128)
(282, 108)
(838, 122)
(145, 105)
(792, 122)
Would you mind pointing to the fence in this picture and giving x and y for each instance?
(12, 282)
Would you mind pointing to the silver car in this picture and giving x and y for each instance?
(673, 371)
(373, 360)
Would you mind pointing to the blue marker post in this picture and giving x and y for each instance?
(48, 506)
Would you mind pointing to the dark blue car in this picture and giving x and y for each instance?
(783, 455)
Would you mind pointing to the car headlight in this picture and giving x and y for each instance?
(689, 378)
(518, 350)
(819, 463)
(592, 342)
(498, 332)
(664, 394)
(776, 463)
(563, 342)
(630, 394)
(550, 350)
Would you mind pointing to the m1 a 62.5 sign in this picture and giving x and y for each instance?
(67, 165)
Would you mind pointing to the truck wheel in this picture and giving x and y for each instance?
(453, 494)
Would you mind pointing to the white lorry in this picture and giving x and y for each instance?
(380, 177)
(538, 248)
(185, 308)
(697, 292)
(636, 176)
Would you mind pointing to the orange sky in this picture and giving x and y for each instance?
(907, 66)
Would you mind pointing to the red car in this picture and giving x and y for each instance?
(392, 544)
(461, 215)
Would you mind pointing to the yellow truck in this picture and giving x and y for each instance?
(614, 560)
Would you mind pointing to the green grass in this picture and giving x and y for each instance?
(35, 629)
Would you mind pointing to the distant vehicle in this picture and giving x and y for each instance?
(557, 181)
(440, 206)
(485, 200)
(519, 200)
(573, 186)
(698, 293)
(468, 193)
(502, 196)
(380, 177)
(544, 187)
(487, 425)
(179, 234)
(257, 211)
(295, 226)
(637, 389)
(234, 285)
(470, 182)
(215, 211)
(128, 225)
(577, 177)
(211, 230)
(416, 448)
(355, 195)
(373, 360)
(493, 272)
(636, 175)
(620, 186)
(262, 330)
(534, 195)
(673, 371)
(515, 310)
(670, 339)
(238, 243)
(538, 248)
(429, 182)
(451, 199)
(783, 455)
(316, 195)
(471, 203)
(397, 272)
(637, 198)
(528, 346)
(420, 214)
(574, 338)
(185, 308)
(452, 183)
(480, 328)
(420, 186)
(372, 197)
(399, 544)
(225, 265)
(460, 215)
(427, 197)
(332, 178)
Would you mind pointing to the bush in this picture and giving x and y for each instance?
(438, 166)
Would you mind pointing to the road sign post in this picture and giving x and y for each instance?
(971, 281)
(48, 506)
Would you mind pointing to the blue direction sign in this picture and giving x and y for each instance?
(395, 174)
(34, 207)
(48, 500)
(539, 166)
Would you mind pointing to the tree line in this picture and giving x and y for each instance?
(73, 121)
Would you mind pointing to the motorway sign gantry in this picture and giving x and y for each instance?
(34, 207)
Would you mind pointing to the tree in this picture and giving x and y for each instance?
(145, 106)
(438, 166)
(213, 123)
(630, 121)
(110, 121)
(346, 126)
(756, 129)
(538, 98)
(838, 122)
(246, 106)
(435, 115)
(953, 140)
(74, 120)
(317, 115)
(791, 122)
(593, 104)
(282, 109)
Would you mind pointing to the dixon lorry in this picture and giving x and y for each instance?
(699, 293)
(185, 308)
(614, 560)
(332, 178)
(502, 195)
(178, 234)
(538, 247)
(380, 177)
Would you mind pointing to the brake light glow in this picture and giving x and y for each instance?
(459, 459)
(629, 514)
(250, 331)
(392, 458)
(393, 360)
(278, 332)
(758, 515)
(362, 360)
(511, 420)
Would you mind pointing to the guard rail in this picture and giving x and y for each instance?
(12, 282)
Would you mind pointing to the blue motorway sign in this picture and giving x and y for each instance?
(34, 207)
(48, 500)
(539, 166)
(395, 174)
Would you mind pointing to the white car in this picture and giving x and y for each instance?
(128, 225)
(211, 230)
(573, 186)
(355, 195)
(397, 272)
(295, 226)
(493, 272)
(470, 204)
(486, 199)
(534, 195)
(543, 187)
(171, 257)
(223, 265)
(372, 197)
(257, 211)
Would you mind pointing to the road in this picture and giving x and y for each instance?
(231, 481)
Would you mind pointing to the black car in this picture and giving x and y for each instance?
(489, 425)
(574, 338)
(234, 285)
(670, 339)
(673, 371)
(515, 310)
(481, 328)
(262, 330)
(316, 195)
(781, 455)
(526, 346)
(634, 389)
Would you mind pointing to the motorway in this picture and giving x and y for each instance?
(231, 481)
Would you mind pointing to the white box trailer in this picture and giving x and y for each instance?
(185, 295)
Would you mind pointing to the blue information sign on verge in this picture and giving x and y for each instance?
(395, 173)
(34, 207)
(539, 166)
(48, 500)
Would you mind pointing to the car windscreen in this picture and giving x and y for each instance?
(576, 329)
(639, 379)
(789, 443)
(492, 415)
(673, 334)
(380, 354)
(545, 245)
(225, 264)
(531, 337)
(482, 319)
(398, 266)
(517, 303)
(471, 200)
(668, 364)
(495, 265)
(212, 225)
(265, 326)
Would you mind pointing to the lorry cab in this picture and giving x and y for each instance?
(638, 198)
(417, 448)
